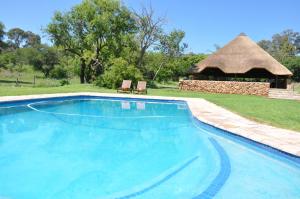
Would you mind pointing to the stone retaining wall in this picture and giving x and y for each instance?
(230, 87)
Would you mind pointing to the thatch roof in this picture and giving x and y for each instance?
(240, 56)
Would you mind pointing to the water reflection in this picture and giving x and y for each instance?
(140, 105)
(125, 105)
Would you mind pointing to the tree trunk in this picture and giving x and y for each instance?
(82, 70)
(141, 57)
(161, 65)
(163, 62)
(88, 73)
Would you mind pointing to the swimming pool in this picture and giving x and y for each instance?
(102, 147)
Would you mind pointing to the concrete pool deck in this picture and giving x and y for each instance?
(282, 139)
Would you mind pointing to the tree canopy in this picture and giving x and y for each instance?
(285, 47)
(94, 31)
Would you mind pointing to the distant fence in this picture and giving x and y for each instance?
(229, 87)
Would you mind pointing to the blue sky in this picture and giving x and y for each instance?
(205, 22)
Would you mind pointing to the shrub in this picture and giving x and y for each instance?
(151, 84)
(120, 70)
(58, 72)
(7, 58)
(64, 82)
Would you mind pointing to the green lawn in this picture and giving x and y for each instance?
(280, 113)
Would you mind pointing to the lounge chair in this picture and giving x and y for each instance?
(141, 87)
(126, 87)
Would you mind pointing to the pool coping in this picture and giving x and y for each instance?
(287, 141)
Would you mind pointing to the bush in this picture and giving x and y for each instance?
(58, 72)
(151, 84)
(64, 82)
(120, 70)
(7, 58)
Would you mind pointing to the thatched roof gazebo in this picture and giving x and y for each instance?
(242, 58)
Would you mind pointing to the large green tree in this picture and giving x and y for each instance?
(92, 31)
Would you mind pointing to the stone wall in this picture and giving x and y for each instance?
(230, 87)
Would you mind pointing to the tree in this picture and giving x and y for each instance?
(2, 34)
(119, 71)
(285, 47)
(50, 59)
(91, 31)
(42, 57)
(293, 64)
(185, 62)
(69, 33)
(31, 56)
(16, 36)
(292, 37)
(266, 45)
(171, 46)
(172, 69)
(282, 45)
(32, 39)
(149, 31)
(112, 25)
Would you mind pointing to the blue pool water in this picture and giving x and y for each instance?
(91, 148)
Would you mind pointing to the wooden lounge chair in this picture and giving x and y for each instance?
(126, 87)
(141, 87)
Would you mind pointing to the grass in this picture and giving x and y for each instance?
(280, 113)
(12, 90)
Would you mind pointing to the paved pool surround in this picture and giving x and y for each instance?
(284, 140)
